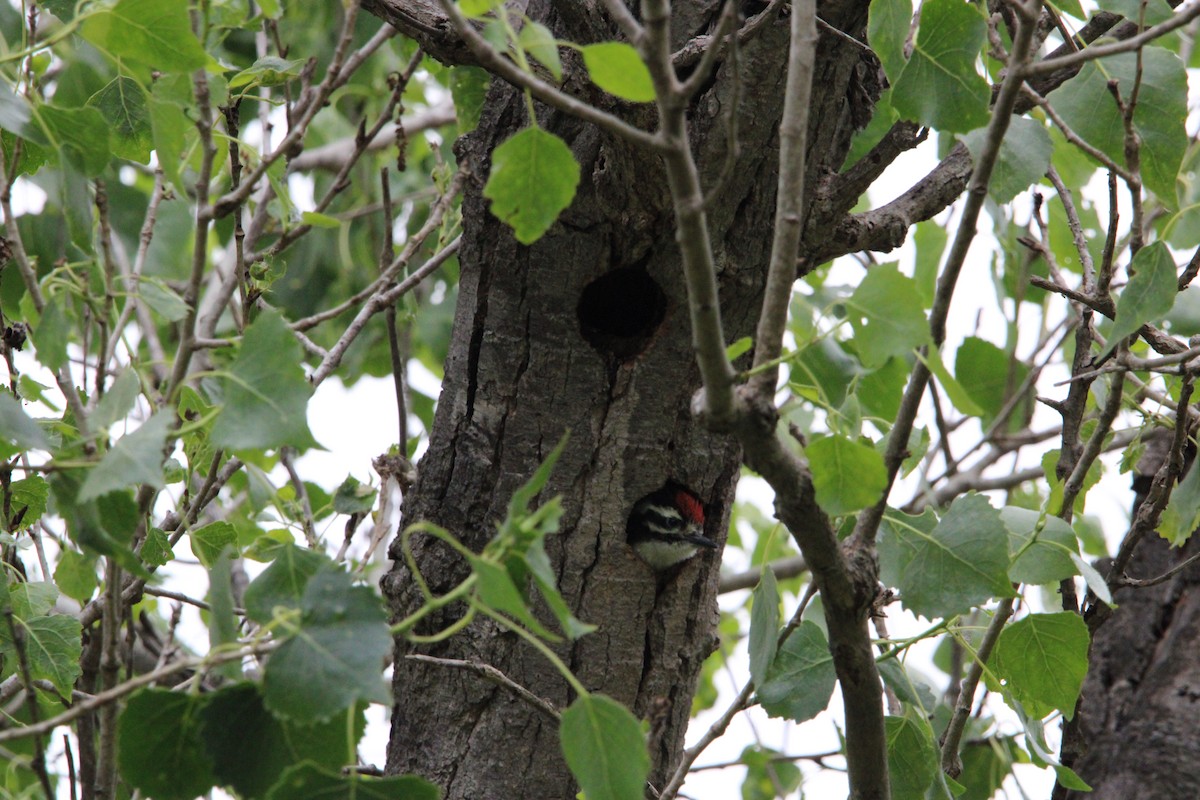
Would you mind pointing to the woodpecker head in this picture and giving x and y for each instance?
(667, 526)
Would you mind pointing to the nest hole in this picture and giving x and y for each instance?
(620, 311)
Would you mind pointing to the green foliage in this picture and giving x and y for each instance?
(533, 179)
(1149, 295)
(617, 69)
(1042, 660)
(604, 748)
(764, 626)
(847, 475)
(171, 765)
(334, 654)
(912, 756)
(801, 678)
(885, 311)
(1023, 159)
(767, 774)
(939, 85)
(944, 567)
(1088, 107)
(264, 392)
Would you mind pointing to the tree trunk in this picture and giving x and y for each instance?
(1138, 707)
(536, 353)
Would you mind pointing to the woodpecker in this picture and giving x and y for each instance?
(666, 527)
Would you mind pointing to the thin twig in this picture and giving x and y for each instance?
(951, 761)
(492, 675)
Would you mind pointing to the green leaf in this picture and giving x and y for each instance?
(768, 774)
(764, 625)
(930, 239)
(886, 314)
(1040, 556)
(265, 746)
(75, 575)
(117, 402)
(208, 542)
(318, 220)
(336, 657)
(986, 764)
(618, 69)
(604, 748)
(265, 391)
(309, 782)
(498, 592)
(267, 71)
(912, 756)
(822, 372)
(16, 426)
(738, 348)
(1095, 581)
(1149, 12)
(156, 550)
(1086, 104)
(353, 497)
(801, 679)
(1042, 660)
(79, 134)
(939, 86)
(155, 33)
(33, 598)
(897, 678)
(1023, 159)
(136, 459)
(537, 40)
(170, 129)
(948, 568)
(1148, 296)
(888, 22)
(162, 300)
(16, 115)
(468, 88)
(283, 583)
(52, 335)
(533, 179)
(954, 389)
(222, 624)
(52, 647)
(172, 764)
(477, 8)
(847, 475)
(988, 375)
(104, 525)
(124, 106)
(881, 390)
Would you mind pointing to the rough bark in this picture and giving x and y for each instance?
(1140, 697)
(1139, 701)
(520, 373)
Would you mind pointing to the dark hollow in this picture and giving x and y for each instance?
(620, 311)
